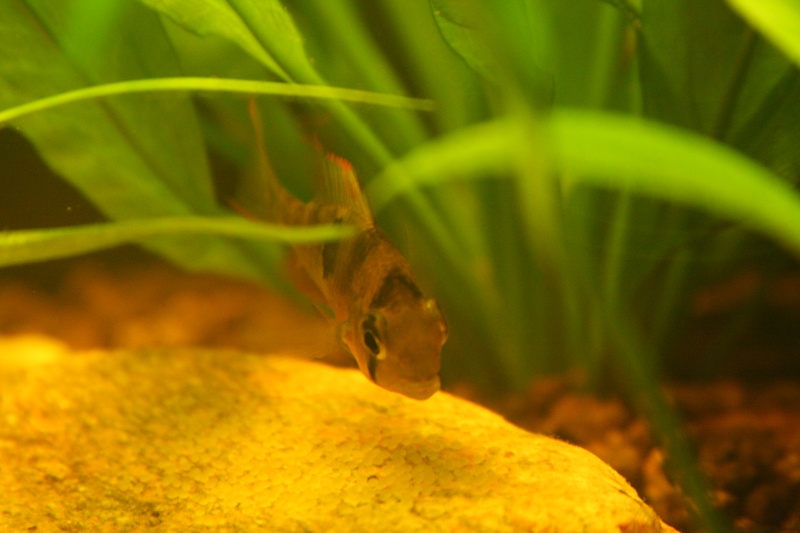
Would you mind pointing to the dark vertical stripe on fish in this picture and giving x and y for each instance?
(395, 280)
(330, 252)
(359, 250)
(372, 366)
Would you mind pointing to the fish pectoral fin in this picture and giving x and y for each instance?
(310, 338)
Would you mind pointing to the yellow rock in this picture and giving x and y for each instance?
(190, 440)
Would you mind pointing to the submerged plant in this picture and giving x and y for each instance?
(570, 174)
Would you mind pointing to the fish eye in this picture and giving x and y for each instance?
(372, 343)
(370, 336)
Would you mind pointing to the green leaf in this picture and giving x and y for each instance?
(26, 246)
(464, 28)
(703, 68)
(436, 71)
(219, 17)
(502, 41)
(771, 134)
(133, 157)
(346, 52)
(38, 39)
(271, 26)
(473, 151)
(672, 164)
(778, 20)
(617, 152)
(589, 63)
(213, 85)
(263, 29)
(571, 50)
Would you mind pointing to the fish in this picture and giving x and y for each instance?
(378, 313)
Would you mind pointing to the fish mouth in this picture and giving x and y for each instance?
(419, 390)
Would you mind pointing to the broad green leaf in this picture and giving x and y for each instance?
(220, 17)
(68, 49)
(264, 29)
(504, 42)
(41, 60)
(570, 49)
(26, 246)
(463, 27)
(133, 157)
(779, 20)
(274, 28)
(702, 67)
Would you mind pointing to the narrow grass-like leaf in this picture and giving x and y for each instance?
(474, 151)
(26, 246)
(779, 20)
(366, 67)
(771, 134)
(433, 66)
(617, 152)
(214, 85)
(665, 162)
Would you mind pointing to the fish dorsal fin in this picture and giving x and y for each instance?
(338, 184)
(258, 195)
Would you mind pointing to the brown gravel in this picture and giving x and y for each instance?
(747, 439)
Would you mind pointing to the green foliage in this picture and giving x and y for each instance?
(116, 151)
(587, 165)
(778, 20)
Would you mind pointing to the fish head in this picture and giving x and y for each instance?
(399, 346)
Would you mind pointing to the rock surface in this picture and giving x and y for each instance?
(199, 440)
